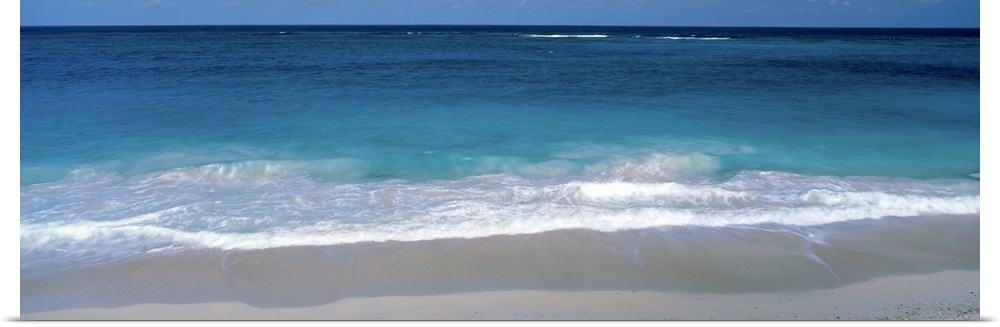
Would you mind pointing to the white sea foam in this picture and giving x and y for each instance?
(655, 166)
(568, 35)
(617, 207)
(94, 216)
(695, 37)
(293, 210)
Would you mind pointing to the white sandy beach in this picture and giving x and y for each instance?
(947, 295)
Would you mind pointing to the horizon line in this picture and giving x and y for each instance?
(514, 25)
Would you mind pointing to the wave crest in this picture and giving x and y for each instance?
(568, 35)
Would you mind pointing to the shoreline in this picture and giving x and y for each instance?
(945, 295)
(625, 275)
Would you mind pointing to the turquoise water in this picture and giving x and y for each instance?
(140, 140)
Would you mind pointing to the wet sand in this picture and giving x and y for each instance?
(947, 295)
(891, 268)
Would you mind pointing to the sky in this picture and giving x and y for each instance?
(772, 13)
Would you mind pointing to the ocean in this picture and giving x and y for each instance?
(298, 165)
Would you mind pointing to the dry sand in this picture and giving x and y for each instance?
(947, 295)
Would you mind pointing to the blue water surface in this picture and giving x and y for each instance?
(138, 140)
(840, 102)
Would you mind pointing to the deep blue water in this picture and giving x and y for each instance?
(141, 139)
